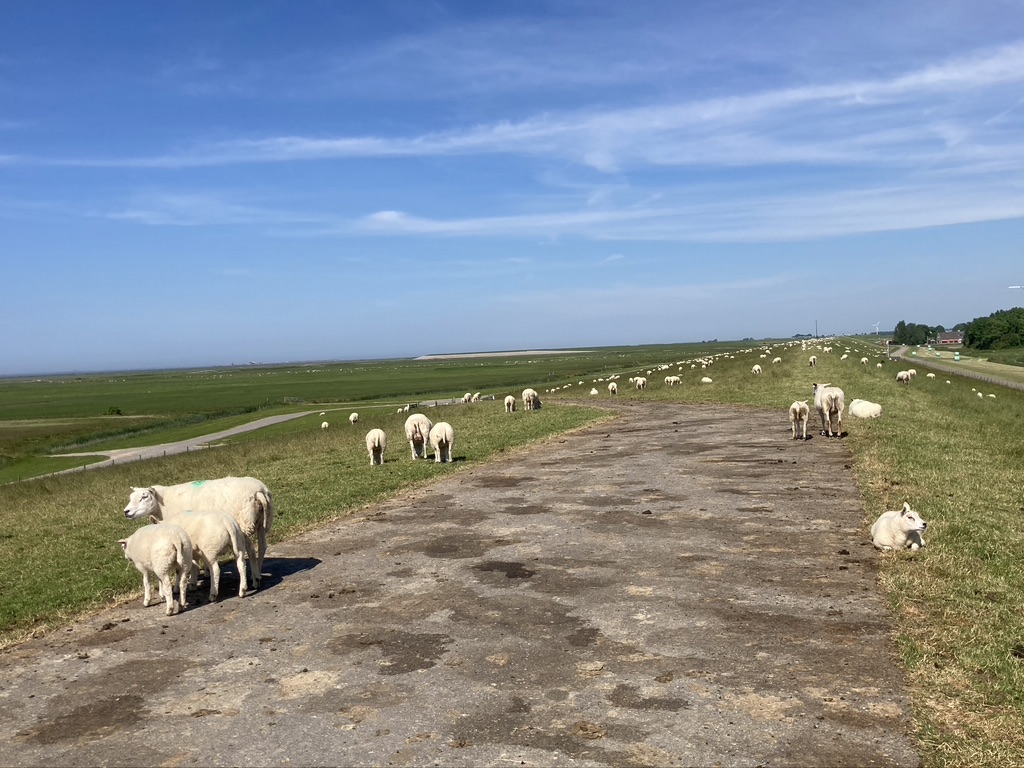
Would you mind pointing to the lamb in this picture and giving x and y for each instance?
(324, 425)
(164, 551)
(353, 418)
(245, 498)
(798, 413)
(467, 397)
(475, 398)
(531, 400)
(863, 361)
(865, 409)
(776, 360)
(417, 432)
(898, 529)
(376, 444)
(613, 388)
(640, 382)
(903, 377)
(442, 438)
(756, 370)
(929, 375)
(214, 534)
(878, 365)
(510, 404)
(829, 402)
(812, 360)
(912, 372)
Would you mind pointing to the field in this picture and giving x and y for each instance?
(957, 458)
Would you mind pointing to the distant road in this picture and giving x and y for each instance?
(924, 362)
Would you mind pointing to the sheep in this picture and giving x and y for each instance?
(376, 444)
(213, 534)
(912, 372)
(467, 397)
(830, 402)
(531, 400)
(776, 360)
(613, 388)
(324, 425)
(353, 418)
(475, 398)
(673, 380)
(863, 361)
(812, 361)
(417, 432)
(991, 395)
(706, 380)
(898, 529)
(798, 413)
(756, 370)
(246, 499)
(844, 357)
(640, 382)
(878, 365)
(442, 438)
(929, 375)
(865, 409)
(510, 404)
(593, 391)
(903, 377)
(166, 552)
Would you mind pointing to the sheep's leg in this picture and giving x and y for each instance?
(240, 564)
(261, 552)
(793, 425)
(214, 569)
(254, 562)
(168, 589)
(147, 591)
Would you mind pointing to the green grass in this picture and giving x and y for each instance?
(958, 605)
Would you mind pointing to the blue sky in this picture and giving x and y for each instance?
(195, 183)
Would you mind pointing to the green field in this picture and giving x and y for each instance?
(957, 458)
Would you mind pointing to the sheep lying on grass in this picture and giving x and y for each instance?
(510, 404)
(442, 438)
(798, 413)
(830, 401)
(706, 380)
(865, 409)
(417, 432)
(376, 444)
(164, 551)
(898, 529)
(245, 498)
(213, 534)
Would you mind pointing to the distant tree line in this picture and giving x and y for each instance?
(913, 334)
(1000, 330)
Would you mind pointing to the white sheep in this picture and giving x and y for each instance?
(324, 425)
(417, 432)
(706, 380)
(640, 382)
(863, 361)
(245, 498)
(756, 370)
(467, 397)
(898, 529)
(531, 400)
(213, 534)
(912, 372)
(510, 404)
(475, 398)
(903, 377)
(798, 413)
(929, 375)
(830, 401)
(865, 409)
(776, 360)
(812, 360)
(166, 552)
(376, 444)
(442, 438)
(878, 365)
(353, 418)
(593, 391)
(613, 388)
(844, 356)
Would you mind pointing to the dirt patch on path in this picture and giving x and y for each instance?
(680, 587)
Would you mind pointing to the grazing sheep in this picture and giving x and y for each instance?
(878, 365)
(992, 396)
(898, 529)
(613, 388)
(353, 418)
(467, 397)
(812, 360)
(640, 382)
(706, 380)
(475, 398)
(531, 400)
(863, 361)
(756, 370)
(245, 498)
(776, 360)
(324, 425)
(510, 404)
(903, 377)
(798, 413)
(164, 551)
(912, 372)
(929, 375)
(442, 438)
(213, 534)
(417, 432)
(673, 380)
(830, 401)
(865, 409)
(844, 357)
(376, 444)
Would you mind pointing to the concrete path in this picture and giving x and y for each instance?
(685, 586)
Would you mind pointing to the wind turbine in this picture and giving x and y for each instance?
(876, 327)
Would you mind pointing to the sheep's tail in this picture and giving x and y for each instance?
(183, 555)
(266, 504)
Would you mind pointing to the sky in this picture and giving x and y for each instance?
(191, 184)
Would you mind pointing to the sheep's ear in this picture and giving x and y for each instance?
(906, 508)
(153, 520)
(123, 543)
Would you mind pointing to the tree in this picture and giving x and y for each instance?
(1003, 329)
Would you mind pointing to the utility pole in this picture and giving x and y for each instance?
(815, 329)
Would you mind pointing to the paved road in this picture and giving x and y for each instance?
(684, 586)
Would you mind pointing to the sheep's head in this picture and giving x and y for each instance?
(142, 503)
(910, 520)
